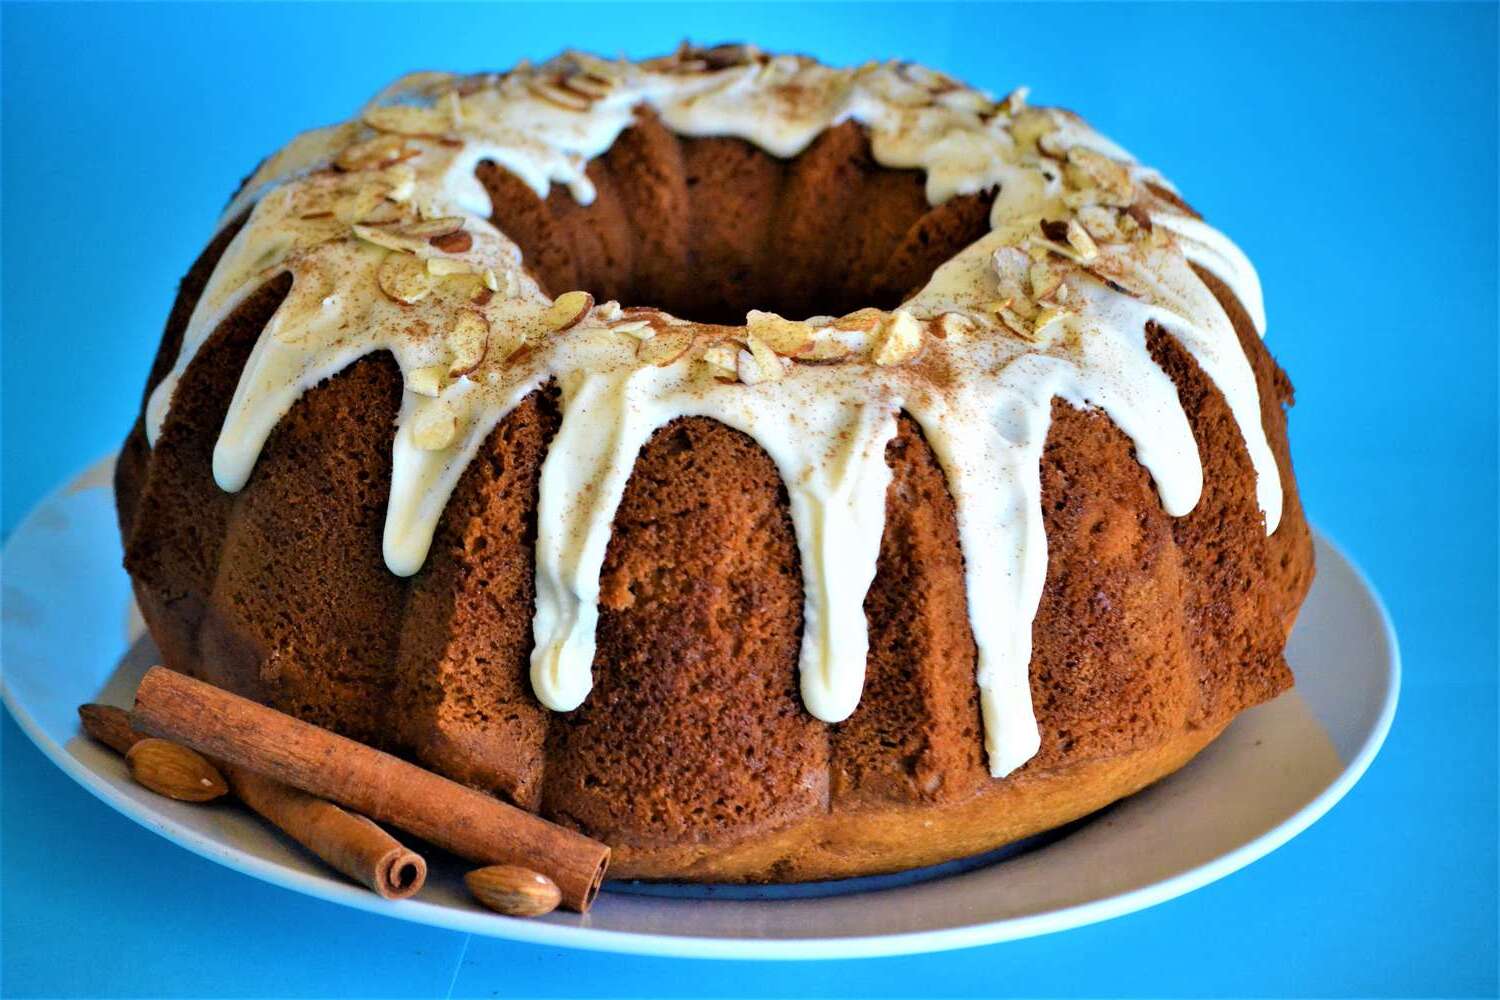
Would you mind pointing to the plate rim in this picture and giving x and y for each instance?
(684, 946)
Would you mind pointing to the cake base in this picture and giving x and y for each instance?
(880, 841)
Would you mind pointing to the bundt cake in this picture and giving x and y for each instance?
(776, 471)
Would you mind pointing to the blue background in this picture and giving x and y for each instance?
(1351, 150)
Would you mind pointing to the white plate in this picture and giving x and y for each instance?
(71, 636)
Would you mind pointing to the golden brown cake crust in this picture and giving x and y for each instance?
(693, 756)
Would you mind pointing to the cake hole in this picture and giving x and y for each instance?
(710, 228)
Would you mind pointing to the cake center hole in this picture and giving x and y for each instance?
(710, 228)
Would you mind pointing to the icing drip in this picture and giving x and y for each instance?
(392, 251)
(829, 447)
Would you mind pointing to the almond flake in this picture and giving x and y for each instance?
(901, 339)
(567, 311)
(404, 278)
(426, 381)
(591, 85)
(381, 151)
(1018, 321)
(1087, 168)
(1051, 144)
(358, 204)
(469, 340)
(863, 320)
(640, 329)
(666, 348)
(1046, 318)
(955, 325)
(1100, 223)
(1014, 102)
(1045, 279)
(443, 267)
(1029, 126)
(784, 336)
(434, 429)
(1012, 269)
(759, 363)
(1081, 242)
(403, 181)
(559, 96)
(826, 347)
(720, 361)
(391, 239)
(406, 119)
(459, 242)
(429, 229)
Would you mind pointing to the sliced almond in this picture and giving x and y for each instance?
(469, 340)
(954, 324)
(1087, 168)
(666, 348)
(443, 267)
(434, 429)
(459, 242)
(864, 320)
(430, 229)
(1046, 318)
(1012, 270)
(720, 361)
(555, 94)
(403, 181)
(1014, 320)
(1014, 102)
(758, 363)
(1029, 125)
(594, 86)
(826, 347)
(359, 204)
(784, 336)
(1100, 222)
(566, 311)
(407, 119)
(379, 152)
(427, 381)
(900, 339)
(640, 329)
(1045, 279)
(386, 236)
(1082, 243)
(404, 278)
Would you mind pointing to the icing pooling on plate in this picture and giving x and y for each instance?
(384, 229)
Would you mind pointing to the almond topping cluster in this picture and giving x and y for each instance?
(431, 256)
(1110, 220)
(768, 345)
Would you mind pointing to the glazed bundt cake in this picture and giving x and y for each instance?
(779, 472)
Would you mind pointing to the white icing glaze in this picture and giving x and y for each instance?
(978, 378)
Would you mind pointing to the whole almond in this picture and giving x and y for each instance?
(110, 726)
(175, 771)
(513, 890)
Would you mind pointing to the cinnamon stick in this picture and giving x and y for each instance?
(467, 822)
(347, 842)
